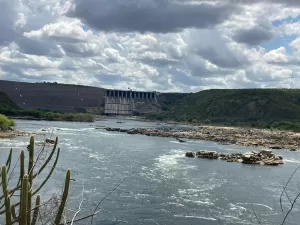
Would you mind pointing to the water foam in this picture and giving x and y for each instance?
(257, 204)
(292, 161)
(197, 217)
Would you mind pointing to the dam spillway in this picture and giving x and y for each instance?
(120, 102)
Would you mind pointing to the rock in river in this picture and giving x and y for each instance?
(190, 154)
(264, 157)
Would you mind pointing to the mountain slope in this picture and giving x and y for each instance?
(233, 105)
(53, 96)
(6, 102)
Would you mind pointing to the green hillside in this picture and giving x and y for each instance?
(257, 107)
(6, 102)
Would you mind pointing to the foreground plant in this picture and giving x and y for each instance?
(21, 210)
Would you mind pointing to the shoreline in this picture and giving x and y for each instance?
(249, 137)
(11, 134)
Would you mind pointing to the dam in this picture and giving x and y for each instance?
(120, 102)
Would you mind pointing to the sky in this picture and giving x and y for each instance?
(147, 45)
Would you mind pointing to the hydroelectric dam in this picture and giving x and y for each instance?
(68, 98)
(120, 102)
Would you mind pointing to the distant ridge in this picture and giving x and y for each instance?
(53, 96)
(232, 105)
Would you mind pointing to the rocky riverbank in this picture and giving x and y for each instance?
(272, 139)
(11, 134)
(264, 157)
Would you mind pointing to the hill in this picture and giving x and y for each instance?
(54, 97)
(6, 102)
(232, 106)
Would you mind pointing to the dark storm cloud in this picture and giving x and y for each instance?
(254, 36)
(159, 16)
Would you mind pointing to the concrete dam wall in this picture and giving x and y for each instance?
(118, 102)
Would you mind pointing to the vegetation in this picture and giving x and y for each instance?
(266, 108)
(21, 209)
(5, 122)
(46, 115)
(20, 200)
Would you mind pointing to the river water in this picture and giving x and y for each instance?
(155, 184)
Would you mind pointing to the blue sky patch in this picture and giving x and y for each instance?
(280, 42)
(277, 23)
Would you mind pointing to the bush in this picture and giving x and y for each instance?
(5, 122)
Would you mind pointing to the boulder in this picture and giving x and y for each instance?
(190, 154)
(207, 154)
(266, 152)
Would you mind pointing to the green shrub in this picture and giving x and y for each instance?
(5, 122)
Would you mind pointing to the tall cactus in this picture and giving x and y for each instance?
(25, 214)
(30, 175)
(24, 211)
(6, 196)
(63, 199)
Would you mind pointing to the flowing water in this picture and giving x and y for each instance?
(155, 183)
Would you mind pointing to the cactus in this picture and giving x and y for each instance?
(6, 196)
(36, 210)
(24, 201)
(26, 215)
(30, 176)
(49, 175)
(13, 212)
(8, 161)
(63, 199)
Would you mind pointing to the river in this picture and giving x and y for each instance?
(160, 185)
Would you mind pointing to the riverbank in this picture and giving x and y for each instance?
(11, 134)
(262, 138)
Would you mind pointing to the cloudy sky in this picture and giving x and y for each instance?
(162, 45)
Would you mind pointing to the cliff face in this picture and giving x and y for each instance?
(54, 97)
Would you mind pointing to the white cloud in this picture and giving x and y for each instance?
(58, 40)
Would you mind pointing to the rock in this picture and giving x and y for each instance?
(293, 150)
(273, 162)
(275, 147)
(264, 157)
(207, 154)
(112, 129)
(180, 140)
(49, 141)
(266, 152)
(190, 154)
